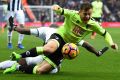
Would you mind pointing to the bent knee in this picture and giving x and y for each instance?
(42, 71)
(51, 46)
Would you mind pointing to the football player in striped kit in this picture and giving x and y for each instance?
(15, 9)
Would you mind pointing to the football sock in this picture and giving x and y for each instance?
(30, 53)
(34, 60)
(6, 64)
(20, 38)
(9, 37)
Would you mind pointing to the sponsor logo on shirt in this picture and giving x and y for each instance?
(77, 30)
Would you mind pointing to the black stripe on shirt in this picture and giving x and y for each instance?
(104, 33)
(18, 4)
(8, 8)
(13, 5)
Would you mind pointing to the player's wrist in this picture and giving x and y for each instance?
(114, 46)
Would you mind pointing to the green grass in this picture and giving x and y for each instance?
(85, 67)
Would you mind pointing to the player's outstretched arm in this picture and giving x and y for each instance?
(108, 38)
(90, 48)
(57, 9)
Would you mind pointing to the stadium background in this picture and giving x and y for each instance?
(86, 66)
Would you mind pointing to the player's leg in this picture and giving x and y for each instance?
(34, 60)
(21, 20)
(9, 39)
(13, 68)
(9, 33)
(49, 48)
(22, 62)
(25, 62)
(44, 67)
(52, 48)
(6, 64)
(30, 53)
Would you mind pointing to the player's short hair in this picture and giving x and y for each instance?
(86, 6)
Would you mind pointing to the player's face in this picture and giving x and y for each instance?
(85, 15)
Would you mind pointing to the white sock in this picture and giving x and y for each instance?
(6, 64)
(9, 36)
(53, 71)
(34, 60)
(17, 67)
(20, 38)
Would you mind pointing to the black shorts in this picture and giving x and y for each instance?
(57, 56)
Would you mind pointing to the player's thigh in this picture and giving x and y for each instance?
(9, 14)
(20, 17)
(44, 67)
(51, 46)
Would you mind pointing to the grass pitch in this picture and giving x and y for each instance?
(85, 67)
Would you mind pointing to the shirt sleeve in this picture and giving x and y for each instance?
(96, 27)
(108, 38)
(34, 32)
(65, 12)
(101, 31)
(81, 43)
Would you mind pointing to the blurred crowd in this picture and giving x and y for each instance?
(111, 8)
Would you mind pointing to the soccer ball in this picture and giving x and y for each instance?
(70, 51)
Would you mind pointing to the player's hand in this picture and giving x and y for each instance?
(56, 7)
(114, 46)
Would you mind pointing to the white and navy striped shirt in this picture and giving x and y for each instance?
(15, 5)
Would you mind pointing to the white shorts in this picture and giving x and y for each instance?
(18, 15)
